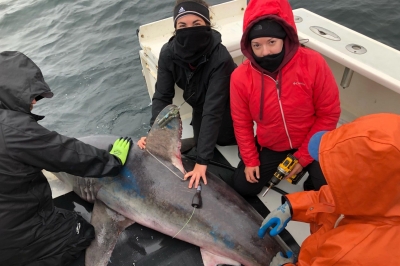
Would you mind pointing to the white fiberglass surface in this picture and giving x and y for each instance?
(58, 188)
(379, 62)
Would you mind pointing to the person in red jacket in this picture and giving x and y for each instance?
(287, 90)
(356, 217)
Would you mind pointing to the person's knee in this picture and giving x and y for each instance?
(85, 234)
(86, 231)
(316, 176)
(89, 234)
(245, 191)
(245, 188)
(225, 142)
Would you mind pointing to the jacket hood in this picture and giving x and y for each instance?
(281, 12)
(21, 81)
(360, 161)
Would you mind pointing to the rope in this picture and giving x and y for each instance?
(185, 223)
(180, 179)
(164, 165)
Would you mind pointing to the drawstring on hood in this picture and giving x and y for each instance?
(280, 12)
(21, 81)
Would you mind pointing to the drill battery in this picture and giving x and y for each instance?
(285, 168)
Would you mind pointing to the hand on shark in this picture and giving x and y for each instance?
(120, 148)
(142, 143)
(198, 172)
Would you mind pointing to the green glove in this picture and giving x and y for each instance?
(121, 148)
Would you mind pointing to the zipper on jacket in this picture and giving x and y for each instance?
(191, 72)
(262, 96)
(189, 77)
(284, 123)
(278, 91)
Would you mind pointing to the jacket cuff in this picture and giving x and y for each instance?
(285, 199)
(304, 161)
(251, 163)
(202, 161)
(118, 159)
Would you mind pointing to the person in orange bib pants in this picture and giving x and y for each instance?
(355, 219)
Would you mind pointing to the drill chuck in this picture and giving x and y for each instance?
(280, 173)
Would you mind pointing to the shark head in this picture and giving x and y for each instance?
(164, 138)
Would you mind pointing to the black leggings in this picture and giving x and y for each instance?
(269, 161)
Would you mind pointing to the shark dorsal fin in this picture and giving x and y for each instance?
(164, 138)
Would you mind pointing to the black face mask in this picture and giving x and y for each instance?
(190, 44)
(270, 62)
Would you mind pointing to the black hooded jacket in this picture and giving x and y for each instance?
(26, 205)
(206, 90)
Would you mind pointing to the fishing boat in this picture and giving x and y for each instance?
(365, 70)
(366, 73)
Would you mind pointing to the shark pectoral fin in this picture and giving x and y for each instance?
(210, 259)
(108, 225)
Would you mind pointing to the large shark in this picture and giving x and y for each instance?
(150, 190)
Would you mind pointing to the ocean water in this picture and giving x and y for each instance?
(89, 53)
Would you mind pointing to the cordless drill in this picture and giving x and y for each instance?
(284, 168)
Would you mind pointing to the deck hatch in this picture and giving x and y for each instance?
(356, 48)
(298, 19)
(325, 33)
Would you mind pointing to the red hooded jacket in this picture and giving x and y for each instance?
(290, 105)
(360, 164)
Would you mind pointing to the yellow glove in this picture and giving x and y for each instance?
(121, 148)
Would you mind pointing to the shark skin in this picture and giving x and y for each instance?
(150, 190)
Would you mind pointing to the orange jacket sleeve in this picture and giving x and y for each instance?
(314, 207)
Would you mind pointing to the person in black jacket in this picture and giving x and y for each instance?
(32, 231)
(196, 61)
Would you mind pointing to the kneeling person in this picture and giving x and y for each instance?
(32, 231)
(358, 211)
